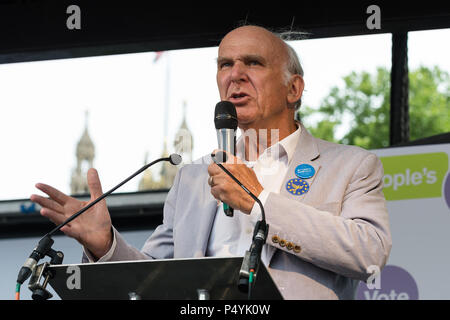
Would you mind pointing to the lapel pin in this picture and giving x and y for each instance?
(305, 171)
(297, 186)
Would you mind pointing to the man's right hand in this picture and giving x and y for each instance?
(92, 228)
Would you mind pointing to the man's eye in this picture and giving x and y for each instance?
(254, 63)
(224, 65)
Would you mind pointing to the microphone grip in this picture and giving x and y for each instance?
(229, 211)
(226, 138)
(222, 157)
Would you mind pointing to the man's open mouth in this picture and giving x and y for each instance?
(239, 98)
(238, 95)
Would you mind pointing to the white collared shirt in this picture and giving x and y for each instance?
(232, 236)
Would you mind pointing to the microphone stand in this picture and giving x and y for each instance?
(44, 247)
(252, 258)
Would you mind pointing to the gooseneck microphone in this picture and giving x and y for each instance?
(252, 257)
(225, 121)
(44, 246)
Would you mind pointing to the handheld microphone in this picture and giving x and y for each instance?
(225, 121)
(252, 257)
(44, 246)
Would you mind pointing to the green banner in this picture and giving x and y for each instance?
(414, 176)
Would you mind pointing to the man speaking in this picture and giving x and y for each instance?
(323, 201)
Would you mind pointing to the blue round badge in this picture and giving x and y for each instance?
(304, 171)
(297, 186)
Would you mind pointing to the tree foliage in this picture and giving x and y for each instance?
(361, 106)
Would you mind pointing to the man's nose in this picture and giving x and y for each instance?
(238, 72)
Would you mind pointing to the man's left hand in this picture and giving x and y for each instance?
(225, 189)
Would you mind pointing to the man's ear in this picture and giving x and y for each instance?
(295, 89)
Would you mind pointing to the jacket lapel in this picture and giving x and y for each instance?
(306, 152)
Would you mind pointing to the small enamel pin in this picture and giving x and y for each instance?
(304, 171)
(297, 186)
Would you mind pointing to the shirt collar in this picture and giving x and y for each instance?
(287, 145)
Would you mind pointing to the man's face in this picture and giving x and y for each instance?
(250, 74)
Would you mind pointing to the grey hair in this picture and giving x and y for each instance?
(293, 65)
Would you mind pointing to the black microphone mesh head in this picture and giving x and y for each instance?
(225, 116)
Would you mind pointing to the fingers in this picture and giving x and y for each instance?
(216, 194)
(53, 193)
(211, 181)
(220, 186)
(47, 203)
(230, 158)
(94, 184)
(53, 216)
(213, 169)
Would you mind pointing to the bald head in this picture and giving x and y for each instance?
(261, 35)
(256, 32)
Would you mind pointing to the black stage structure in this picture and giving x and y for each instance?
(32, 30)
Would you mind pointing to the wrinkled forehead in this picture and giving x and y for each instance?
(253, 41)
